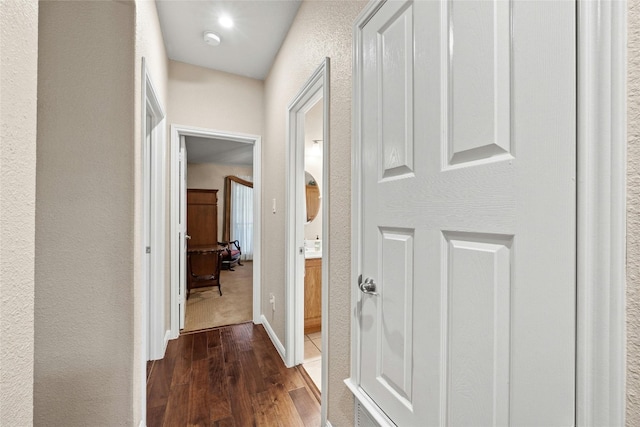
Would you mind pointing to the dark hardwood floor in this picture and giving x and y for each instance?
(229, 376)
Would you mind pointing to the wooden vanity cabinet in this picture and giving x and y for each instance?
(312, 295)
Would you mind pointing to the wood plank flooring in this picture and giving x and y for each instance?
(230, 376)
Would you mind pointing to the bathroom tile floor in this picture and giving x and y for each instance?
(313, 357)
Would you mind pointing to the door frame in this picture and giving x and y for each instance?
(314, 89)
(154, 339)
(153, 220)
(601, 214)
(256, 141)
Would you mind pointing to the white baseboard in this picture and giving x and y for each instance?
(167, 337)
(328, 424)
(274, 338)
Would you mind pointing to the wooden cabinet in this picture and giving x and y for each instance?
(202, 226)
(312, 295)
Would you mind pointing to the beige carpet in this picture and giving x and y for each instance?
(207, 309)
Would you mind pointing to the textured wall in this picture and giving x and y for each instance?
(150, 45)
(321, 29)
(210, 176)
(633, 216)
(84, 306)
(18, 86)
(212, 99)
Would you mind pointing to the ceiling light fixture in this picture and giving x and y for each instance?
(226, 21)
(211, 38)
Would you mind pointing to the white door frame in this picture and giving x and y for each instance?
(601, 211)
(256, 141)
(316, 88)
(602, 170)
(153, 220)
(156, 337)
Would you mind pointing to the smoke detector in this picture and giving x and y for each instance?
(211, 38)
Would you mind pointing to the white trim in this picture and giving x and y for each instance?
(256, 140)
(327, 424)
(356, 188)
(366, 402)
(274, 338)
(156, 220)
(601, 210)
(312, 91)
(142, 422)
(153, 234)
(257, 229)
(167, 337)
(316, 87)
(326, 241)
(601, 346)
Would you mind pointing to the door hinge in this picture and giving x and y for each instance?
(148, 249)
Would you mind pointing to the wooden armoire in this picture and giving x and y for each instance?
(202, 226)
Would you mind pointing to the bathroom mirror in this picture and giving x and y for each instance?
(312, 195)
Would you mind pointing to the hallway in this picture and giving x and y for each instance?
(230, 376)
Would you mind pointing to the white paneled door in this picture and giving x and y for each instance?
(467, 133)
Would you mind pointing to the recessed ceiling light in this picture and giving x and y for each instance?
(226, 21)
(211, 38)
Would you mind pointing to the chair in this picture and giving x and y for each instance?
(231, 254)
(206, 279)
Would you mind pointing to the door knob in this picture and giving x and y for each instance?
(186, 236)
(368, 286)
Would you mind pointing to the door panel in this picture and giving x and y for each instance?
(468, 212)
(395, 73)
(478, 107)
(395, 352)
(478, 292)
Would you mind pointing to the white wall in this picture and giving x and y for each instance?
(84, 340)
(211, 99)
(18, 86)
(633, 216)
(88, 292)
(320, 29)
(210, 176)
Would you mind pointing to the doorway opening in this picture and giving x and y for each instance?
(201, 160)
(307, 262)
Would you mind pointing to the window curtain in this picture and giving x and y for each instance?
(242, 217)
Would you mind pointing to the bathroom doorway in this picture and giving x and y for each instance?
(313, 250)
(307, 238)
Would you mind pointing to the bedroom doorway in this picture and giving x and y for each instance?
(201, 159)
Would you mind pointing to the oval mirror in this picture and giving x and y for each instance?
(312, 192)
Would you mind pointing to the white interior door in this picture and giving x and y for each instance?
(146, 201)
(182, 227)
(468, 194)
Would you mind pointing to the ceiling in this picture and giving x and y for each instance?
(219, 151)
(247, 49)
